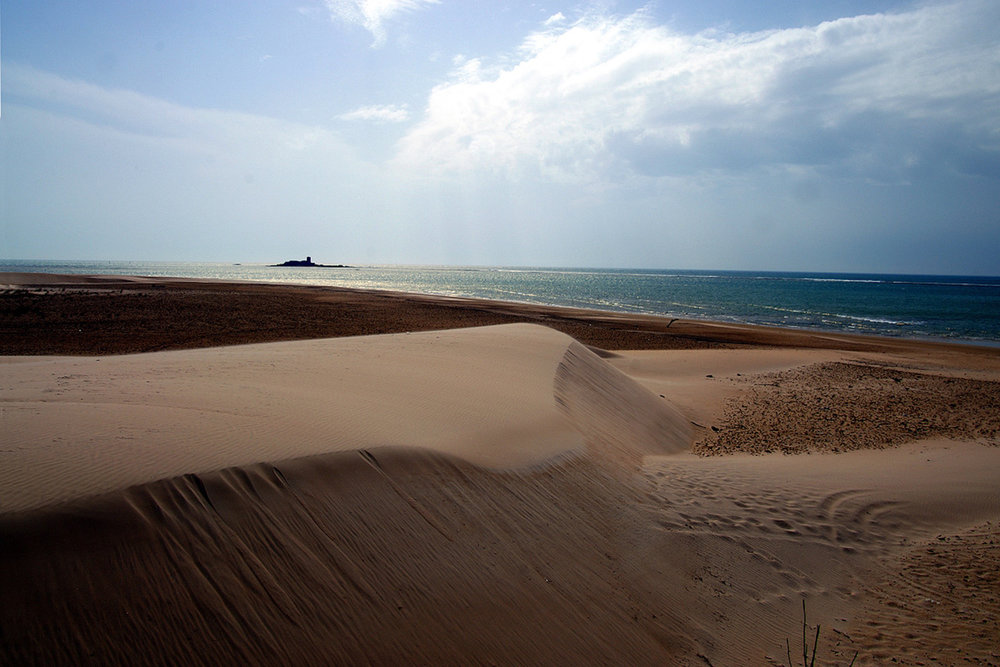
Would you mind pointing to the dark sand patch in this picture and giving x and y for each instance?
(52, 314)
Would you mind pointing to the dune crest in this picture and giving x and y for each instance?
(621, 421)
(503, 397)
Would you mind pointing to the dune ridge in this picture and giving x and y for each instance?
(621, 420)
(495, 550)
(83, 426)
(351, 557)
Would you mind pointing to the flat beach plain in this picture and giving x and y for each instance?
(289, 475)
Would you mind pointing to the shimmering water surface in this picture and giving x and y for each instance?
(946, 307)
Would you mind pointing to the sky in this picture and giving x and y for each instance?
(835, 135)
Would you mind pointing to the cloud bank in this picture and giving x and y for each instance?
(881, 97)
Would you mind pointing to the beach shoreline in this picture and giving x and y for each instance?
(209, 471)
(122, 314)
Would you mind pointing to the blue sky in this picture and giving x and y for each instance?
(832, 136)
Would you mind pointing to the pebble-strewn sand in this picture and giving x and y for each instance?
(840, 406)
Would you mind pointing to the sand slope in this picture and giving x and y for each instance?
(389, 557)
(499, 495)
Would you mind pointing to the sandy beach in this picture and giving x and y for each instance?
(210, 473)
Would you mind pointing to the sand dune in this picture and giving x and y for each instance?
(496, 495)
(501, 397)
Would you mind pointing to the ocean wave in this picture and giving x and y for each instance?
(841, 280)
(898, 281)
(843, 316)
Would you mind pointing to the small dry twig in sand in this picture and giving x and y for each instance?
(808, 660)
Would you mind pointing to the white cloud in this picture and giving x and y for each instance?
(373, 14)
(207, 131)
(558, 17)
(387, 113)
(608, 95)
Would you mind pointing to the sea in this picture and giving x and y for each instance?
(951, 308)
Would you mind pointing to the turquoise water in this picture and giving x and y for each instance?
(937, 307)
